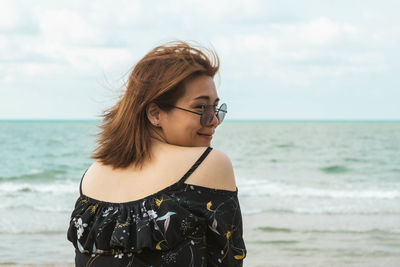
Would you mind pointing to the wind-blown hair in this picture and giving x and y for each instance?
(159, 77)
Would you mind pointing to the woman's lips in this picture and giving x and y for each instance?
(209, 133)
(208, 136)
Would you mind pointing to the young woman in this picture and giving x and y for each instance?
(158, 194)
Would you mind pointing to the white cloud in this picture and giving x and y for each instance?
(9, 17)
(65, 27)
(3, 42)
(36, 69)
(319, 31)
(298, 54)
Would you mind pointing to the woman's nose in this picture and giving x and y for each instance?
(214, 122)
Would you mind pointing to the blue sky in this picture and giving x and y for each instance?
(279, 59)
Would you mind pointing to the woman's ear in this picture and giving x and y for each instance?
(153, 114)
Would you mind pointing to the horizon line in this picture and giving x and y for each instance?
(226, 120)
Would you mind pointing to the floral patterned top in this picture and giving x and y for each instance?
(181, 225)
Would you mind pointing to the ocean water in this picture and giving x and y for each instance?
(311, 192)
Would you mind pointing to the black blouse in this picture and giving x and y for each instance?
(181, 225)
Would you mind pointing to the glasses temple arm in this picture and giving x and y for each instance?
(188, 110)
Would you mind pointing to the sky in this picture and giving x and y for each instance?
(280, 60)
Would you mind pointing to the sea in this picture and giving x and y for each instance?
(312, 193)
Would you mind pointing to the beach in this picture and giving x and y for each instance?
(281, 246)
(284, 242)
(311, 193)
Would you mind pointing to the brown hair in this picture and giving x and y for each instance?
(159, 77)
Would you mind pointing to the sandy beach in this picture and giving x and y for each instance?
(279, 245)
(287, 242)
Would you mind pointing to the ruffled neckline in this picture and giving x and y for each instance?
(166, 189)
(152, 222)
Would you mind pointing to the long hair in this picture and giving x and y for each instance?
(159, 78)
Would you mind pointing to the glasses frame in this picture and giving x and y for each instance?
(216, 111)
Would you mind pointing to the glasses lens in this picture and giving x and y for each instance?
(221, 112)
(207, 115)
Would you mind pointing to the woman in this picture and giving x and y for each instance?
(158, 194)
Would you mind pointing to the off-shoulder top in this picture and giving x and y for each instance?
(180, 225)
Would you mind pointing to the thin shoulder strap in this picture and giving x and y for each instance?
(195, 165)
(80, 186)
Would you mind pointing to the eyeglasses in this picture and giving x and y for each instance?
(208, 112)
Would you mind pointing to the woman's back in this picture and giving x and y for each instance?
(182, 224)
(168, 164)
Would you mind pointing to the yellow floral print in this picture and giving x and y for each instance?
(158, 245)
(209, 206)
(240, 257)
(158, 202)
(93, 208)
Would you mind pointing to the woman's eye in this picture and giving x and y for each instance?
(204, 106)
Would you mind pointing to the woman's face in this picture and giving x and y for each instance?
(183, 128)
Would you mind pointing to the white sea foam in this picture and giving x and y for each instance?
(33, 206)
(35, 171)
(53, 188)
(262, 188)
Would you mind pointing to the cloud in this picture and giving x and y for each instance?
(319, 31)
(63, 26)
(300, 53)
(9, 16)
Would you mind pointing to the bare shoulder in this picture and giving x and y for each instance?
(216, 171)
(87, 175)
(222, 169)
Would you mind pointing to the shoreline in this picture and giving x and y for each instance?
(289, 239)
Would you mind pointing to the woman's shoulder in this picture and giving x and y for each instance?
(220, 158)
(216, 170)
(215, 153)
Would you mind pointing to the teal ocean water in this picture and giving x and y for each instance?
(308, 189)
